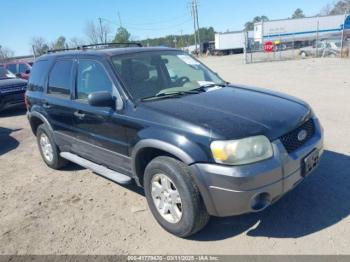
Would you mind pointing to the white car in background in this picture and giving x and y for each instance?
(322, 49)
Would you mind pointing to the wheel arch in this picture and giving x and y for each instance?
(148, 149)
(36, 119)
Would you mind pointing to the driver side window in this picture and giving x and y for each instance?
(92, 77)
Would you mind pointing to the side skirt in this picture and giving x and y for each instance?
(98, 169)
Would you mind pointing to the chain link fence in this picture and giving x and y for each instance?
(313, 43)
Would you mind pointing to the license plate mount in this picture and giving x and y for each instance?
(310, 162)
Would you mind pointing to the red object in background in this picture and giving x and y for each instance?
(19, 68)
(269, 46)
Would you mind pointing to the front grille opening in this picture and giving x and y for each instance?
(291, 141)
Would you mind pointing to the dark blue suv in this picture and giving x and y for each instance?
(198, 145)
(12, 90)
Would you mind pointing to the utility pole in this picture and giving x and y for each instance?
(34, 54)
(194, 23)
(120, 20)
(197, 20)
(182, 39)
(101, 31)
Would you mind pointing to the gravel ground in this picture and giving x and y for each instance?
(72, 211)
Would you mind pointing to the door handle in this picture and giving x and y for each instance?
(79, 114)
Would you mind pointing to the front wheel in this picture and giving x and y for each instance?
(173, 198)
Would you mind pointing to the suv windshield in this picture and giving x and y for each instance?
(5, 74)
(149, 74)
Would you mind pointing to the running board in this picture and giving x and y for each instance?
(101, 170)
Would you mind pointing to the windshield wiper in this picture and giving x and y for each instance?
(179, 93)
(204, 88)
(213, 85)
(173, 94)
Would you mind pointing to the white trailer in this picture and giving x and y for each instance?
(231, 42)
(300, 29)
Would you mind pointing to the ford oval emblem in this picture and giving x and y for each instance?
(302, 135)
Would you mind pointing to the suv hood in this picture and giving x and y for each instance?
(13, 82)
(237, 112)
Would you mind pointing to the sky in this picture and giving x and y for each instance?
(20, 20)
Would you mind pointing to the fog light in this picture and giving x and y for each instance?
(260, 201)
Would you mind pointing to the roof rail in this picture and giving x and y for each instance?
(61, 50)
(96, 46)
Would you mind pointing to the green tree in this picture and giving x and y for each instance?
(298, 13)
(39, 45)
(249, 26)
(341, 7)
(206, 34)
(122, 35)
(59, 43)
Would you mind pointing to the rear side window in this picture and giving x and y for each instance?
(60, 78)
(92, 77)
(37, 76)
(12, 68)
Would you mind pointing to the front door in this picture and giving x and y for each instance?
(100, 133)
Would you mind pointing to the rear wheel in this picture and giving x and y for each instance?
(173, 198)
(48, 149)
(303, 55)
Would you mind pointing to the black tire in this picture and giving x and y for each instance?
(57, 161)
(303, 55)
(194, 214)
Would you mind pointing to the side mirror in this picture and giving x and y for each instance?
(101, 99)
(27, 71)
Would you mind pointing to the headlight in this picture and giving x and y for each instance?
(242, 151)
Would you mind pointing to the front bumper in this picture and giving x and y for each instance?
(11, 100)
(234, 190)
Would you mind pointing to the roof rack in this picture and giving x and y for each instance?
(96, 46)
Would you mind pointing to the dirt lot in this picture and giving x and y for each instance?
(75, 212)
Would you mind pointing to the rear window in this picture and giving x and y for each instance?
(60, 78)
(38, 76)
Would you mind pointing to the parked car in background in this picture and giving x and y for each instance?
(198, 145)
(12, 89)
(321, 49)
(20, 68)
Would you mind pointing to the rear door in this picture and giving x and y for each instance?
(57, 101)
(100, 131)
